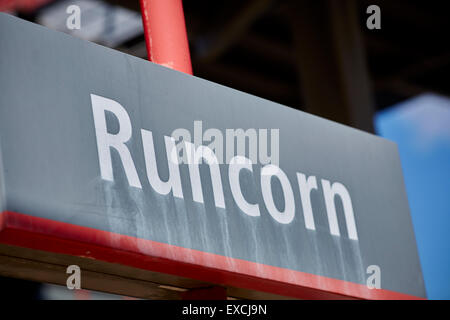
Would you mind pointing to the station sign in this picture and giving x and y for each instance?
(109, 151)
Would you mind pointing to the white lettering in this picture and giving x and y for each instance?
(267, 173)
(106, 140)
(236, 165)
(329, 193)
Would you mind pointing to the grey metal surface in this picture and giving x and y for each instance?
(51, 167)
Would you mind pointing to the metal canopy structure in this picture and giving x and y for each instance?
(249, 46)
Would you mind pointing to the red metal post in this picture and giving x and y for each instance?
(165, 34)
(22, 5)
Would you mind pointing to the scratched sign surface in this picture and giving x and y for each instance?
(86, 139)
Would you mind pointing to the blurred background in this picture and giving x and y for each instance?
(318, 56)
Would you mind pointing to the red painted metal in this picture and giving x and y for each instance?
(22, 5)
(59, 237)
(165, 34)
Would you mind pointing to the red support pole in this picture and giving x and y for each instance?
(165, 34)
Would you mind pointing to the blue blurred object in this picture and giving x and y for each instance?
(421, 128)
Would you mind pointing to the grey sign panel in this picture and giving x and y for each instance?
(52, 85)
